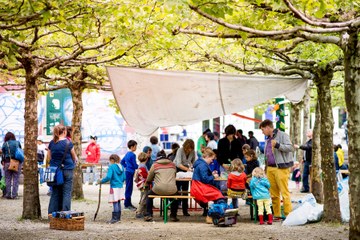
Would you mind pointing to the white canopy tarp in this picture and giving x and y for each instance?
(149, 99)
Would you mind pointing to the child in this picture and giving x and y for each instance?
(155, 149)
(245, 148)
(259, 186)
(251, 164)
(140, 178)
(116, 176)
(296, 175)
(130, 165)
(236, 181)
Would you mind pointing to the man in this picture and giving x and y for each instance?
(278, 154)
(252, 141)
(307, 147)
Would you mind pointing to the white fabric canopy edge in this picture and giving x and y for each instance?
(149, 99)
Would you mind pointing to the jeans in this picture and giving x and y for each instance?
(305, 176)
(11, 181)
(117, 206)
(90, 175)
(128, 188)
(60, 199)
(150, 202)
(183, 186)
(41, 172)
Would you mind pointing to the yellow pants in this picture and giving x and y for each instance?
(279, 179)
(261, 203)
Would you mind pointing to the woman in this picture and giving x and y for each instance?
(61, 195)
(228, 148)
(11, 177)
(184, 159)
(203, 182)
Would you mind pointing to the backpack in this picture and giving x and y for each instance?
(40, 155)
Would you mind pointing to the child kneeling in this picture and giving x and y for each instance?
(259, 186)
(116, 176)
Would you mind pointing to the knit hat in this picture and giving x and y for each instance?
(161, 155)
(146, 149)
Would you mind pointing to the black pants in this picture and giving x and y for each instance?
(183, 186)
(150, 202)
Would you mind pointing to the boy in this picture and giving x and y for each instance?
(130, 165)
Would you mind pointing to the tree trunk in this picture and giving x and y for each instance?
(76, 92)
(331, 196)
(316, 181)
(31, 203)
(296, 135)
(306, 115)
(352, 98)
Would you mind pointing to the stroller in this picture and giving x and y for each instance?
(221, 215)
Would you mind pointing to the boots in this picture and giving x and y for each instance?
(115, 217)
(270, 219)
(261, 219)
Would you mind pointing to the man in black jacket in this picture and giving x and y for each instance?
(307, 147)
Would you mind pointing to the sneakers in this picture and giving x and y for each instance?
(174, 219)
(148, 218)
(131, 208)
(186, 214)
(139, 215)
(278, 219)
(208, 220)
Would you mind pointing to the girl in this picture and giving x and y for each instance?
(259, 186)
(236, 181)
(296, 175)
(116, 176)
(203, 182)
(251, 163)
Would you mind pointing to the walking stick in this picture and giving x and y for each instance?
(98, 206)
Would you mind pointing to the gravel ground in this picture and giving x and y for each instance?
(193, 227)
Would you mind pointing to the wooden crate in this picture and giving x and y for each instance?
(72, 224)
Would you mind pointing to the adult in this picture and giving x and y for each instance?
(184, 160)
(278, 153)
(201, 143)
(307, 147)
(252, 141)
(163, 173)
(203, 186)
(242, 140)
(228, 147)
(62, 153)
(174, 148)
(92, 157)
(41, 156)
(211, 143)
(11, 177)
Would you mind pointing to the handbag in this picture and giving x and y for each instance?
(14, 164)
(19, 154)
(54, 176)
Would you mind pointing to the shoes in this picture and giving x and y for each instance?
(174, 219)
(304, 191)
(131, 208)
(186, 214)
(209, 220)
(278, 219)
(139, 215)
(148, 218)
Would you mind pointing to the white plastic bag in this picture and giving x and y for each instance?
(344, 200)
(299, 216)
(316, 213)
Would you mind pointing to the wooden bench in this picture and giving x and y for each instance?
(166, 204)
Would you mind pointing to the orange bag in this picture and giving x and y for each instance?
(14, 165)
